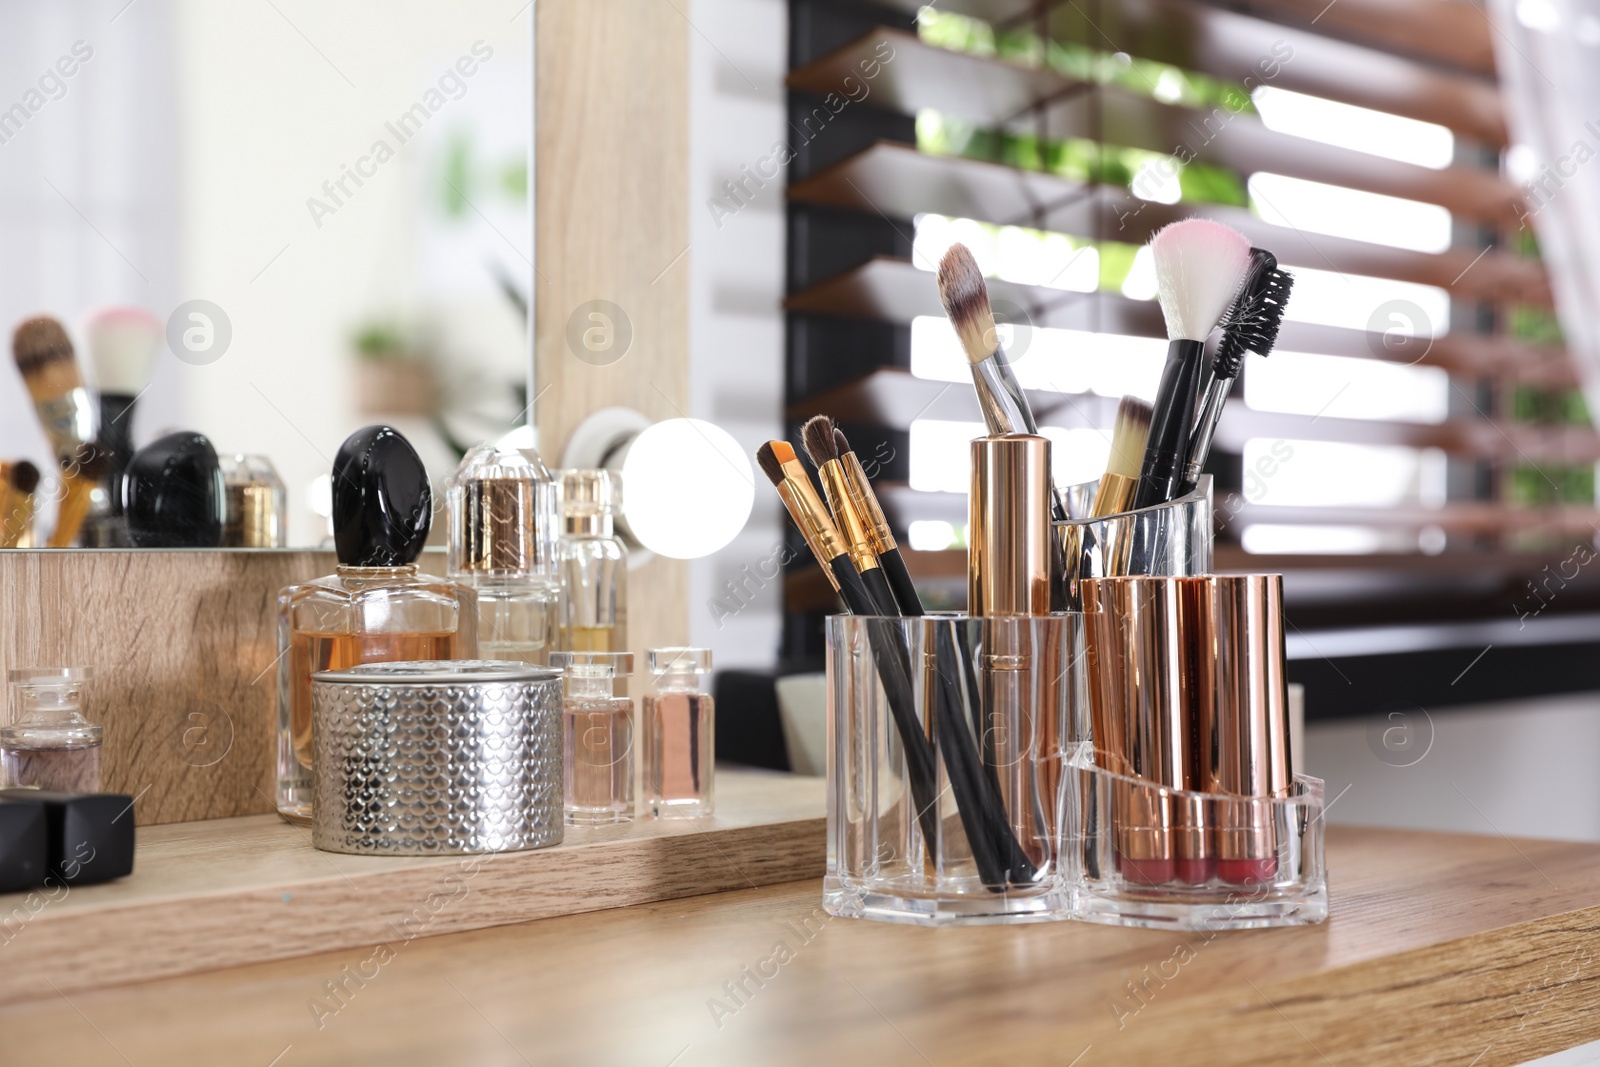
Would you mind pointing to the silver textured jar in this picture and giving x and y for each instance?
(436, 758)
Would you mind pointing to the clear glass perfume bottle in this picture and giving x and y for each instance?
(49, 744)
(594, 564)
(376, 608)
(597, 738)
(679, 734)
(504, 539)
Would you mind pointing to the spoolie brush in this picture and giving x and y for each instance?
(966, 300)
(1251, 325)
(1200, 268)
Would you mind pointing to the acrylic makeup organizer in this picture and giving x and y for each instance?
(963, 824)
(1283, 884)
(1136, 851)
(1172, 539)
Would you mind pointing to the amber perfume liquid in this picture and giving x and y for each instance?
(592, 639)
(598, 761)
(679, 754)
(313, 652)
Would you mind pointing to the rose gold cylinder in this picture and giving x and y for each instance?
(1009, 526)
(1142, 701)
(1249, 753)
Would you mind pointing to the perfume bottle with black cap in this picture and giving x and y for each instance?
(376, 608)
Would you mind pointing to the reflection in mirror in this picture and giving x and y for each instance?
(267, 224)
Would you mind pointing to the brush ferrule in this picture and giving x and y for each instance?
(68, 420)
(1006, 410)
(851, 524)
(1205, 428)
(811, 517)
(865, 501)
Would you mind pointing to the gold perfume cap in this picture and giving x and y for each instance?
(502, 515)
(588, 502)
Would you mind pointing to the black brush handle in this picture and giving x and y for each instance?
(889, 656)
(878, 589)
(1167, 449)
(905, 594)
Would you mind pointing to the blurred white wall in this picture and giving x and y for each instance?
(738, 58)
(1522, 769)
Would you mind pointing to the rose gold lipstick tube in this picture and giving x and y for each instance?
(1248, 751)
(1141, 705)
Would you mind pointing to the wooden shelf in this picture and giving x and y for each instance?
(899, 181)
(1441, 948)
(995, 93)
(226, 892)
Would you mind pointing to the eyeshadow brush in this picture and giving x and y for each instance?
(782, 467)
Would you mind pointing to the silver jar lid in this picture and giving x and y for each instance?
(439, 672)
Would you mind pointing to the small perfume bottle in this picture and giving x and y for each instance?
(594, 564)
(597, 745)
(376, 608)
(50, 745)
(256, 502)
(679, 734)
(504, 539)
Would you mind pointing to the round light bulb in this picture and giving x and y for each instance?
(687, 488)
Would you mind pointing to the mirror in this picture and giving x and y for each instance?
(322, 212)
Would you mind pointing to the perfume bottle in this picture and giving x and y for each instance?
(597, 738)
(256, 504)
(50, 745)
(679, 726)
(376, 608)
(504, 539)
(594, 564)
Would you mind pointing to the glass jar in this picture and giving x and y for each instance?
(50, 745)
(679, 735)
(597, 731)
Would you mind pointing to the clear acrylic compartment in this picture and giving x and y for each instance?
(1220, 862)
(1169, 540)
(946, 745)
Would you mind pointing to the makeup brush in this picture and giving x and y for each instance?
(997, 854)
(123, 344)
(1251, 325)
(1128, 438)
(782, 467)
(966, 300)
(16, 503)
(49, 368)
(1200, 268)
(79, 475)
(817, 437)
(860, 490)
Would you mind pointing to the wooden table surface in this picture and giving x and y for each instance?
(1446, 949)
